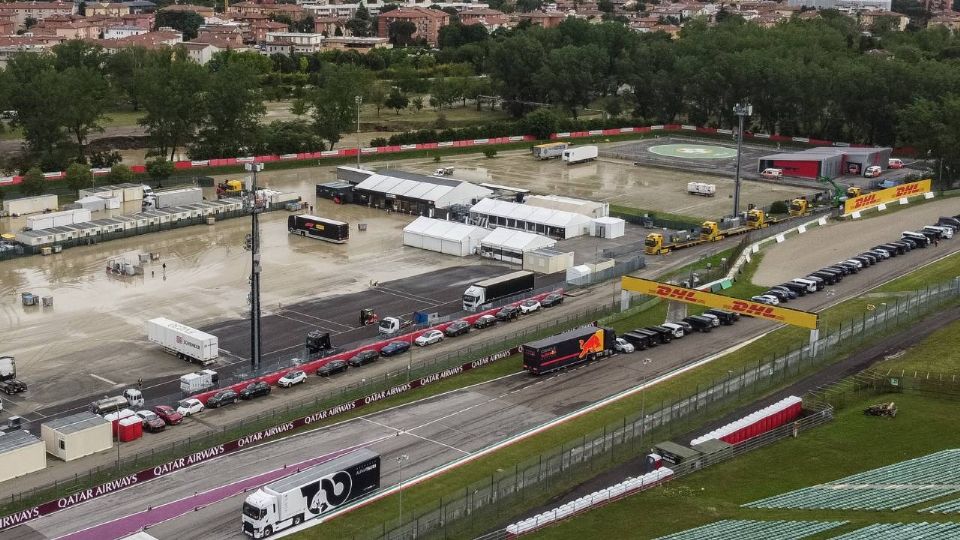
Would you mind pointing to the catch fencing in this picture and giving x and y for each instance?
(513, 491)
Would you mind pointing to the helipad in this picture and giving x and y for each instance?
(694, 151)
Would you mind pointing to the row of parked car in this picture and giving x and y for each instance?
(651, 336)
(945, 228)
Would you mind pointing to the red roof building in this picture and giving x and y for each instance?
(428, 22)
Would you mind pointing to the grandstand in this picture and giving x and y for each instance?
(900, 531)
(755, 530)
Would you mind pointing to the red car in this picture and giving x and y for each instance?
(168, 414)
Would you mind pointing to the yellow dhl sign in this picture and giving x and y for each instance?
(666, 291)
(884, 196)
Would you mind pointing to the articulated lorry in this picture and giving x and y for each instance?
(184, 342)
(710, 231)
(320, 228)
(489, 290)
(311, 493)
(9, 384)
(549, 150)
(580, 154)
(569, 348)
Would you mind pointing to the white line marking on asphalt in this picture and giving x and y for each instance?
(464, 452)
(307, 315)
(104, 379)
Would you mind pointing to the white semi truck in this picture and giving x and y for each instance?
(311, 493)
(580, 154)
(488, 290)
(186, 343)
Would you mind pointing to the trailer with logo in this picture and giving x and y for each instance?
(568, 348)
(311, 493)
(186, 343)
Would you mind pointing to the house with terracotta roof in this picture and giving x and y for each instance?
(120, 32)
(259, 29)
(353, 43)
(8, 24)
(203, 11)
(68, 27)
(109, 9)
(36, 10)
(202, 50)
(216, 33)
(899, 21)
(489, 18)
(293, 42)
(328, 26)
(428, 22)
(11, 45)
(947, 19)
(165, 37)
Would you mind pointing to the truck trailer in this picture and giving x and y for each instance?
(320, 228)
(580, 154)
(311, 493)
(173, 197)
(568, 348)
(9, 384)
(549, 150)
(186, 343)
(489, 290)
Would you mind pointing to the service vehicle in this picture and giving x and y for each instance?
(394, 348)
(457, 328)
(308, 494)
(702, 189)
(799, 207)
(623, 346)
(568, 348)
(168, 414)
(492, 289)
(193, 383)
(678, 329)
(828, 278)
(332, 368)
(428, 338)
(842, 270)
(529, 306)
(131, 397)
(230, 188)
(580, 154)
(808, 284)
(766, 299)
(911, 243)
(882, 253)
(665, 334)
(368, 316)
(507, 313)
(390, 326)
(781, 296)
(819, 281)
(151, 422)
(291, 378)
(921, 238)
(255, 390)
(484, 321)
(894, 163)
(772, 174)
(791, 294)
(363, 357)
(189, 406)
(9, 383)
(873, 171)
(184, 342)
(687, 327)
(329, 230)
(949, 222)
(168, 198)
(797, 288)
(642, 340)
(698, 323)
(713, 318)
(941, 232)
(552, 299)
(710, 231)
(222, 398)
(726, 317)
(549, 150)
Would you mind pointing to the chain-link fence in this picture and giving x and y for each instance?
(620, 268)
(508, 493)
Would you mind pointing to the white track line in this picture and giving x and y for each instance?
(104, 379)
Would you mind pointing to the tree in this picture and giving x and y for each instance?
(119, 174)
(360, 25)
(31, 83)
(85, 95)
(233, 106)
(605, 6)
(187, 22)
(290, 137)
(159, 169)
(78, 176)
(332, 104)
(171, 95)
(931, 128)
(397, 100)
(377, 95)
(541, 123)
(29, 22)
(401, 33)
(417, 103)
(33, 182)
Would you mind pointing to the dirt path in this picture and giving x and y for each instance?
(823, 246)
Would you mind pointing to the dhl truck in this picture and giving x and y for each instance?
(568, 348)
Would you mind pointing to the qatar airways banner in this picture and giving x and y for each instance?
(252, 439)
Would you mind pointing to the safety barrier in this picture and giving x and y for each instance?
(771, 417)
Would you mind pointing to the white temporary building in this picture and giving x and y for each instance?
(607, 227)
(557, 224)
(407, 192)
(20, 453)
(592, 209)
(449, 237)
(509, 245)
(93, 203)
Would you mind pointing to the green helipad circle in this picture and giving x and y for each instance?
(694, 151)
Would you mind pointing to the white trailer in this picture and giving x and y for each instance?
(549, 150)
(701, 188)
(58, 219)
(580, 154)
(29, 205)
(186, 343)
(192, 383)
(175, 197)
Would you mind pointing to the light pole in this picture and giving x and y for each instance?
(359, 100)
(253, 244)
(118, 434)
(400, 459)
(741, 110)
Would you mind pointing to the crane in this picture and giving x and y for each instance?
(839, 194)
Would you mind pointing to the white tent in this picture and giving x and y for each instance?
(509, 245)
(447, 237)
(553, 223)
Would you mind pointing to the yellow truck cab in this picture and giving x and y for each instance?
(653, 245)
(756, 219)
(710, 231)
(799, 207)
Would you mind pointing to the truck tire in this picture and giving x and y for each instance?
(297, 520)
(268, 531)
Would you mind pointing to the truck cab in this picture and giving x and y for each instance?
(653, 245)
(259, 512)
(799, 207)
(473, 298)
(756, 219)
(710, 231)
(392, 325)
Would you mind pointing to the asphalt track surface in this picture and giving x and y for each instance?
(437, 430)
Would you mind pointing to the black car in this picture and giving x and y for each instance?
(457, 328)
(797, 288)
(551, 300)
(726, 317)
(791, 294)
(330, 368)
(687, 327)
(700, 324)
(363, 357)
(255, 390)
(779, 295)
(484, 321)
(394, 348)
(828, 278)
(508, 312)
(225, 397)
(891, 249)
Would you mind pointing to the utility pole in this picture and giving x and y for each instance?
(741, 110)
(359, 100)
(255, 206)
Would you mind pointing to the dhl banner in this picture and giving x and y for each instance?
(718, 301)
(884, 196)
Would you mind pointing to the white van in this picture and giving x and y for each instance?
(774, 174)
(944, 232)
(894, 163)
(919, 237)
(810, 285)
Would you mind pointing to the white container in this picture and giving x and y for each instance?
(580, 154)
(191, 383)
(92, 203)
(29, 205)
(183, 340)
(178, 197)
(701, 188)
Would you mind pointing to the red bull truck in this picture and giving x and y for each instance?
(567, 349)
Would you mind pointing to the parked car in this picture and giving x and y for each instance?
(332, 368)
(189, 406)
(698, 323)
(791, 294)
(222, 398)
(484, 321)
(291, 378)
(169, 416)
(678, 330)
(623, 346)
(394, 348)
(255, 390)
(508, 313)
(552, 299)
(766, 299)
(781, 296)
(774, 174)
(873, 171)
(529, 306)
(151, 422)
(429, 337)
(457, 328)
(726, 317)
(894, 163)
(363, 357)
